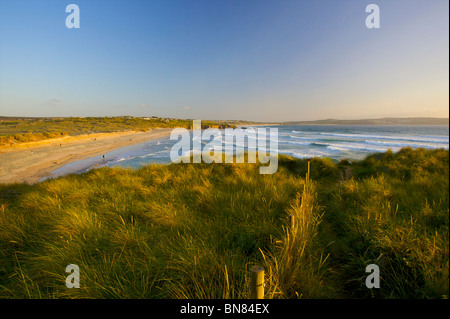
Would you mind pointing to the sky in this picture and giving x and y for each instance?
(261, 60)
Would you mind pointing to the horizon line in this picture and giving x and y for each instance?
(241, 120)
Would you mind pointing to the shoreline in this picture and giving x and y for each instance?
(34, 161)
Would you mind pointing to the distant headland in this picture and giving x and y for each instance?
(379, 121)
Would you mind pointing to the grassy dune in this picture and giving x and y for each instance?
(14, 131)
(194, 230)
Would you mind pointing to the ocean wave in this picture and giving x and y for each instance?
(294, 142)
(309, 153)
(403, 144)
(431, 139)
(305, 138)
(120, 160)
(360, 147)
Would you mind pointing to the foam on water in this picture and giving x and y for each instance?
(435, 139)
(334, 141)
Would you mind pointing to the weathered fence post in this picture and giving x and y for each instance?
(309, 171)
(257, 282)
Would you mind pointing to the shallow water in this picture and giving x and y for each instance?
(303, 141)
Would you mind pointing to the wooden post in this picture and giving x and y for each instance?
(257, 282)
(309, 171)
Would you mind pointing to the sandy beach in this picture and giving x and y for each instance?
(30, 162)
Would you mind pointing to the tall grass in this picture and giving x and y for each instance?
(194, 231)
(297, 268)
(395, 214)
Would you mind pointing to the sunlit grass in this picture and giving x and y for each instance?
(194, 230)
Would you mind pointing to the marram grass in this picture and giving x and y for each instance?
(195, 230)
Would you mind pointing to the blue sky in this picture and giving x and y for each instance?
(264, 60)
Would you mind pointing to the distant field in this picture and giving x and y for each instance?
(20, 130)
(194, 230)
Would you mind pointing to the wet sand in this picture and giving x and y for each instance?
(30, 162)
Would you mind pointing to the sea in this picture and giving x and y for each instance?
(352, 142)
